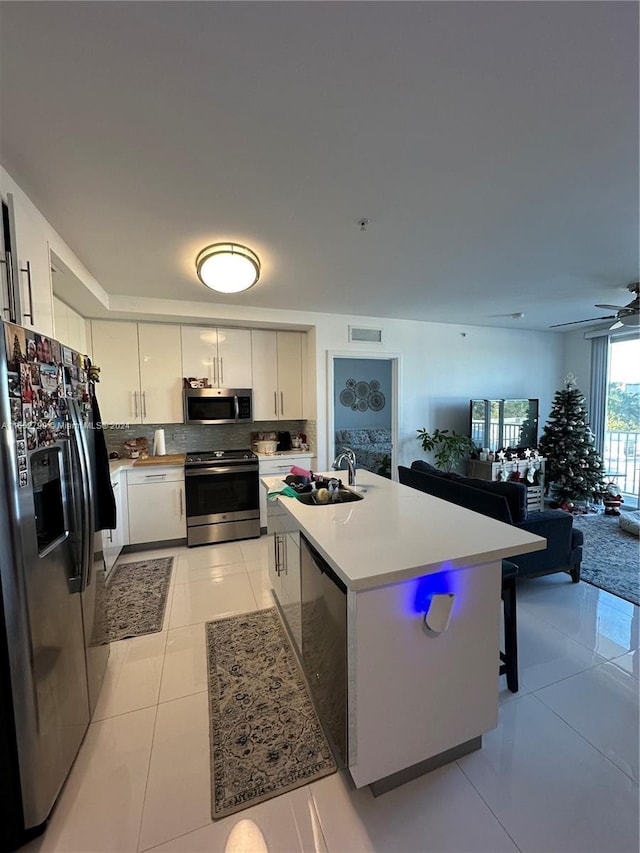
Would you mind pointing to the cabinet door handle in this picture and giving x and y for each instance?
(275, 403)
(221, 375)
(282, 402)
(135, 404)
(27, 270)
(215, 371)
(6, 261)
(276, 553)
(11, 296)
(155, 476)
(144, 404)
(181, 508)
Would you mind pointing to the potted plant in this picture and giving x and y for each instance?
(448, 448)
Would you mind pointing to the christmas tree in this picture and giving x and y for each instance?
(574, 466)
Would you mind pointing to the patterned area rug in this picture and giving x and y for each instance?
(610, 556)
(265, 736)
(137, 597)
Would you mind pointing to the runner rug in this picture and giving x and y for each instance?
(610, 558)
(264, 734)
(136, 597)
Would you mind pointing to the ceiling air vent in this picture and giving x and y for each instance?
(365, 335)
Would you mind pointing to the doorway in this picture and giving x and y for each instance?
(363, 409)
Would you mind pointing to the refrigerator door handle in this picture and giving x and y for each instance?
(75, 582)
(80, 443)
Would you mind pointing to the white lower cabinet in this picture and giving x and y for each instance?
(156, 504)
(280, 466)
(284, 568)
(114, 540)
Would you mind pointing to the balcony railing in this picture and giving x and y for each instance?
(621, 459)
(510, 432)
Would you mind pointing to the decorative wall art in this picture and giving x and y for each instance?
(360, 396)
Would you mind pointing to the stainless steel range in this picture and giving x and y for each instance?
(222, 495)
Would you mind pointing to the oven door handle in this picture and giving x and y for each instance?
(227, 469)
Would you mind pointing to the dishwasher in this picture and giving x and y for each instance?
(324, 642)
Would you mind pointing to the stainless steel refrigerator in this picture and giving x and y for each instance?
(53, 645)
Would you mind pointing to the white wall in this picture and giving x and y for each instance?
(577, 360)
(69, 327)
(443, 366)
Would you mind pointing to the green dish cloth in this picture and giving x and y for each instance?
(281, 489)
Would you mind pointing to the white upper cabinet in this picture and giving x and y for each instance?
(223, 356)
(277, 375)
(115, 352)
(140, 378)
(27, 297)
(160, 376)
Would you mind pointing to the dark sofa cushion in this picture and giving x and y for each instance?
(515, 494)
(492, 505)
(426, 468)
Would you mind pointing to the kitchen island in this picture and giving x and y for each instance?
(415, 698)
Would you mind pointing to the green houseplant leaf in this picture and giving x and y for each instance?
(448, 448)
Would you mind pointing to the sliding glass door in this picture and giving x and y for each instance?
(622, 428)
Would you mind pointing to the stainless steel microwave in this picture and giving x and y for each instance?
(217, 405)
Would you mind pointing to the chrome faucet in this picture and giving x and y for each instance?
(350, 457)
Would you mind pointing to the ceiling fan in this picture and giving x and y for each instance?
(626, 315)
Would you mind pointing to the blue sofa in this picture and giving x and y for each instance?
(506, 502)
(371, 445)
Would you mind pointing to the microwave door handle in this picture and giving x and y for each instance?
(236, 407)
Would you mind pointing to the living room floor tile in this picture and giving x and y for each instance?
(211, 599)
(188, 573)
(629, 663)
(132, 679)
(214, 555)
(101, 803)
(178, 795)
(545, 655)
(584, 702)
(550, 789)
(440, 811)
(584, 614)
(185, 663)
(285, 824)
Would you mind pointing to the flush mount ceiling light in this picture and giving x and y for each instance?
(228, 267)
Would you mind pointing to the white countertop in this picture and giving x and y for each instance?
(118, 464)
(396, 533)
(305, 454)
(159, 461)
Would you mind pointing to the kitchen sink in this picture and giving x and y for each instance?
(344, 496)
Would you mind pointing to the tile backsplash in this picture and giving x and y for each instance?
(182, 438)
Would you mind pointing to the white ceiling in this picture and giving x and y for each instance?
(493, 146)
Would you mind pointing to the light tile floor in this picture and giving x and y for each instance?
(558, 774)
